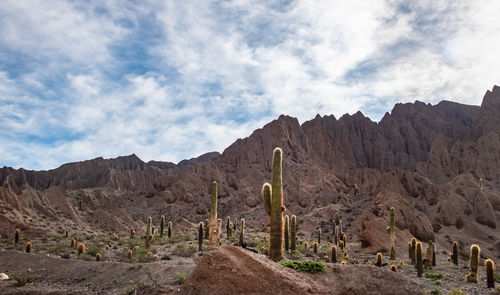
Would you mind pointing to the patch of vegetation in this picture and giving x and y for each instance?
(435, 292)
(179, 278)
(435, 277)
(306, 266)
(93, 249)
(456, 292)
(22, 279)
(184, 251)
(497, 277)
(54, 249)
(130, 291)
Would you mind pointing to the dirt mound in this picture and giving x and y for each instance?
(232, 270)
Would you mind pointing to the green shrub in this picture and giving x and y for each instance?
(306, 266)
(435, 292)
(22, 279)
(456, 292)
(179, 278)
(434, 277)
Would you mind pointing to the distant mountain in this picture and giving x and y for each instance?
(438, 165)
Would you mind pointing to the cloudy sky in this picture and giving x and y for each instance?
(169, 80)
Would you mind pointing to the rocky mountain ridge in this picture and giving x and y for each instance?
(438, 165)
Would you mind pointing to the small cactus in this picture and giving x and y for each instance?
(28, 247)
(162, 225)
(344, 240)
(343, 262)
(319, 236)
(200, 237)
(454, 256)
(293, 238)
(341, 244)
(132, 232)
(380, 260)
(346, 253)
(410, 252)
(212, 238)
(115, 237)
(287, 228)
(490, 273)
(394, 268)
(169, 233)
(334, 254)
(219, 228)
(473, 263)
(148, 237)
(242, 233)
(306, 245)
(149, 254)
(419, 259)
(81, 249)
(98, 257)
(66, 233)
(155, 257)
(17, 235)
(129, 254)
(315, 248)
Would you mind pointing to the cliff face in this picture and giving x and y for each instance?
(438, 165)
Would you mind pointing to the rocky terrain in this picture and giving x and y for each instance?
(436, 164)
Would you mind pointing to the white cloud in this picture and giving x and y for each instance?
(171, 80)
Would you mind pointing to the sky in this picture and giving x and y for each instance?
(170, 80)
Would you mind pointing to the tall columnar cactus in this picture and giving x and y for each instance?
(17, 235)
(200, 237)
(242, 232)
(229, 228)
(434, 253)
(336, 235)
(273, 204)
(428, 257)
(287, 228)
(454, 255)
(28, 247)
(148, 236)
(207, 229)
(293, 229)
(410, 253)
(380, 260)
(162, 225)
(219, 229)
(169, 232)
(474, 263)
(334, 254)
(66, 233)
(212, 239)
(315, 247)
(319, 236)
(490, 273)
(413, 250)
(392, 234)
(418, 257)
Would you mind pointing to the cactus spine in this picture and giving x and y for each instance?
(319, 236)
(229, 228)
(148, 237)
(334, 254)
(212, 238)
(17, 236)
(287, 228)
(418, 256)
(273, 204)
(315, 247)
(28, 247)
(293, 239)
(474, 263)
(454, 255)
(98, 257)
(162, 225)
(490, 273)
(392, 234)
(380, 260)
(242, 232)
